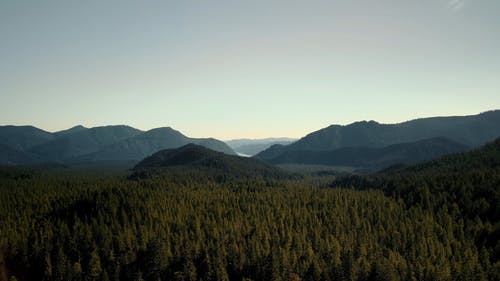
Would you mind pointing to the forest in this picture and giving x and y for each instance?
(438, 220)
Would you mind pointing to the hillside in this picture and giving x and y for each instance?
(473, 131)
(467, 183)
(372, 157)
(469, 179)
(192, 157)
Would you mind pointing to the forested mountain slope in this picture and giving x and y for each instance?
(372, 157)
(465, 184)
(473, 131)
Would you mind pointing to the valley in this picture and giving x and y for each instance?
(117, 203)
(196, 214)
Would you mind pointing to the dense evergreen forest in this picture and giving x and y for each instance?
(434, 221)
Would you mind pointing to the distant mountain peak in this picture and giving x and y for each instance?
(471, 131)
(165, 129)
(71, 130)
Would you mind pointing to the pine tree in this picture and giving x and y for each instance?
(94, 268)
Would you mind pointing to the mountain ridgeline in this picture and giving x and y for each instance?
(21, 138)
(29, 145)
(368, 144)
(361, 146)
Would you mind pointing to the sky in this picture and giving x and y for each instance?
(255, 68)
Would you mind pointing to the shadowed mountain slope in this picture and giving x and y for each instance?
(473, 130)
(373, 157)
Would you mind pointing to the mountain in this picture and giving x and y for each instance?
(204, 161)
(372, 157)
(473, 130)
(28, 145)
(147, 143)
(23, 137)
(72, 130)
(70, 146)
(250, 147)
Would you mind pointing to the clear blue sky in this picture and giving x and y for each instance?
(245, 68)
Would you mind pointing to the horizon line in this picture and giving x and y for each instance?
(253, 137)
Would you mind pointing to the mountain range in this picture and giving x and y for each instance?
(361, 145)
(30, 145)
(369, 143)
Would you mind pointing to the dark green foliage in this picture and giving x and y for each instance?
(465, 185)
(434, 221)
(469, 180)
(81, 227)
